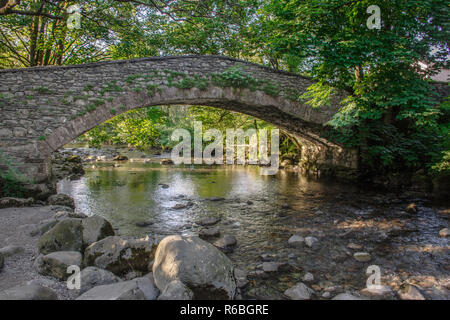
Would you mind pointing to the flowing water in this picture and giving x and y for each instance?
(263, 212)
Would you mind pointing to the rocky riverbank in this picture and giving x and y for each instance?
(39, 243)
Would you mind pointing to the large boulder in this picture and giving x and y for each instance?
(121, 255)
(95, 229)
(176, 290)
(61, 199)
(66, 235)
(91, 277)
(136, 289)
(196, 263)
(28, 292)
(55, 264)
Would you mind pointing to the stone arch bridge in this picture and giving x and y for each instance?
(43, 108)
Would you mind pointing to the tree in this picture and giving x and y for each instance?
(391, 113)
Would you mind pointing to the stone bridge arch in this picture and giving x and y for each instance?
(43, 108)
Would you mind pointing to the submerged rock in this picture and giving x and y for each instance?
(346, 296)
(311, 241)
(2, 261)
(444, 233)
(377, 291)
(166, 162)
(296, 241)
(227, 243)
(143, 224)
(299, 292)
(121, 255)
(197, 264)
(241, 278)
(120, 157)
(411, 208)
(362, 256)
(209, 233)
(410, 292)
(208, 221)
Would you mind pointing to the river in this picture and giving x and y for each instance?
(263, 212)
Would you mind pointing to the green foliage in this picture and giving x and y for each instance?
(43, 90)
(390, 114)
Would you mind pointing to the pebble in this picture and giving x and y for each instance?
(299, 292)
(444, 233)
(354, 246)
(296, 241)
(308, 277)
(362, 256)
(410, 292)
(311, 241)
(377, 291)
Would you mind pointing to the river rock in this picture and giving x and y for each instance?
(95, 229)
(66, 235)
(77, 215)
(198, 264)
(411, 208)
(354, 246)
(216, 199)
(308, 277)
(120, 255)
(28, 292)
(9, 202)
(296, 241)
(176, 290)
(227, 243)
(311, 241)
(208, 221)
(11, 250)
(270, 267)
(44, 226)
(136, 289)
(120, 157)
(55, 264)
(346, 296)
(410, 292)
(241, 278)
(62, 200)
(166, 162)
(209, 233)
(92, 277)
(143, 224)
(299, 292)
(362, 256)
(377, 291)
(444, 233)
